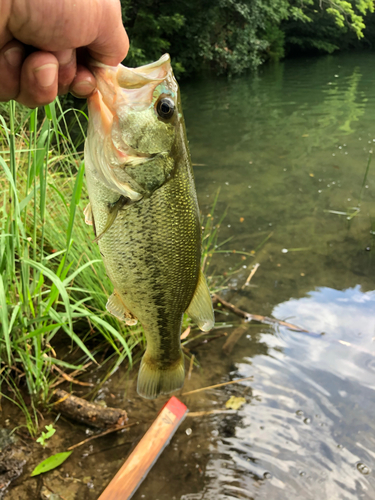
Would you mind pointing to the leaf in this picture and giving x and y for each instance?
(4, 320)
(235, 403)
(50, 431)
(185, 333)
(51, 463)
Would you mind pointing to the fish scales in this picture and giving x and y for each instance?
(137, 257)
(151, 246)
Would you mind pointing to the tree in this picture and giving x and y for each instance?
(231, 36)
(326, 25)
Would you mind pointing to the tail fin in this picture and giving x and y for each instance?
(155, 379)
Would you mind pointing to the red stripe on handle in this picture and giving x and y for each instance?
(176, 407)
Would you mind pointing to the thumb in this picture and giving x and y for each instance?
(112, 43)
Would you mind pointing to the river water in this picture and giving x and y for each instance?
(288, 148)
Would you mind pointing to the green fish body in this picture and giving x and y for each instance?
(144, 210)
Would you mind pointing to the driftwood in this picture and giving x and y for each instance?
(234, 337)
(88, 413)
(255, 317)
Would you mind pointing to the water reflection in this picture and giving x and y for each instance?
(286, 147)
(347, 314)
(307, 431)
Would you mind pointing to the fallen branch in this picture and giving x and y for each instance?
(206, 341)
(67, 377)
(104, 433)
(88, 413)
(255, 317)
(72, 374)
(191, 366)
(234, 337)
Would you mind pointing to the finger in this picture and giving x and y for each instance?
(84, 83)
(67, 69)
(112, 43)
(11, 57)
(39, 79)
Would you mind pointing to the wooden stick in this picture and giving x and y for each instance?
(72, 374)
(89, 413)
(143, 457)
(253, 271)
(71, 379)
(217, 385)
(191, 366)
(108, 431)
(234, 337)
(256, 317)
(209, 412)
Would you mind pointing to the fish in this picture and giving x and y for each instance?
(144, 211)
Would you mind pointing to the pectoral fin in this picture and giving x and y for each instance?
(200, 309)
(112, 214)
(88, 215)
(116, 306)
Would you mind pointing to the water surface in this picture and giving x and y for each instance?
(286, 147)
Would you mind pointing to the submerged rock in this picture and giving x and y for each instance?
(13, 456)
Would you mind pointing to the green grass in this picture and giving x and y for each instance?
(52, 280)
(53, 285)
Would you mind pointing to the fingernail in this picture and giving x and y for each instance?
(14, 56)
(46, 74)
(83, 88)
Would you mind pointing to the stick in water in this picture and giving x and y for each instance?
(255, 317)
(253, 271)
(217, 385)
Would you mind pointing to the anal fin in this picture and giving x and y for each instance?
(200, 309)
(117, 308)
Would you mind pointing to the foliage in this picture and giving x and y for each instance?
(53, 285)
(226, 36)
(51, 463)
(51, 280)
(43, 438)
(326, 26)
(231, 36)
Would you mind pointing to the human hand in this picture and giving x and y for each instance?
(56, 28)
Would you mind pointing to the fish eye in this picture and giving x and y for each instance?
(165, 107)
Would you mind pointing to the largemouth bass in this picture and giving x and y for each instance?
(144, 210)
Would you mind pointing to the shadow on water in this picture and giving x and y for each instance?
(286, 147)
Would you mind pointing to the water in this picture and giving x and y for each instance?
(285, 147)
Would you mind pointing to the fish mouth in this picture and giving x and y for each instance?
(131, 87)
(132, 78)
(120, 88)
